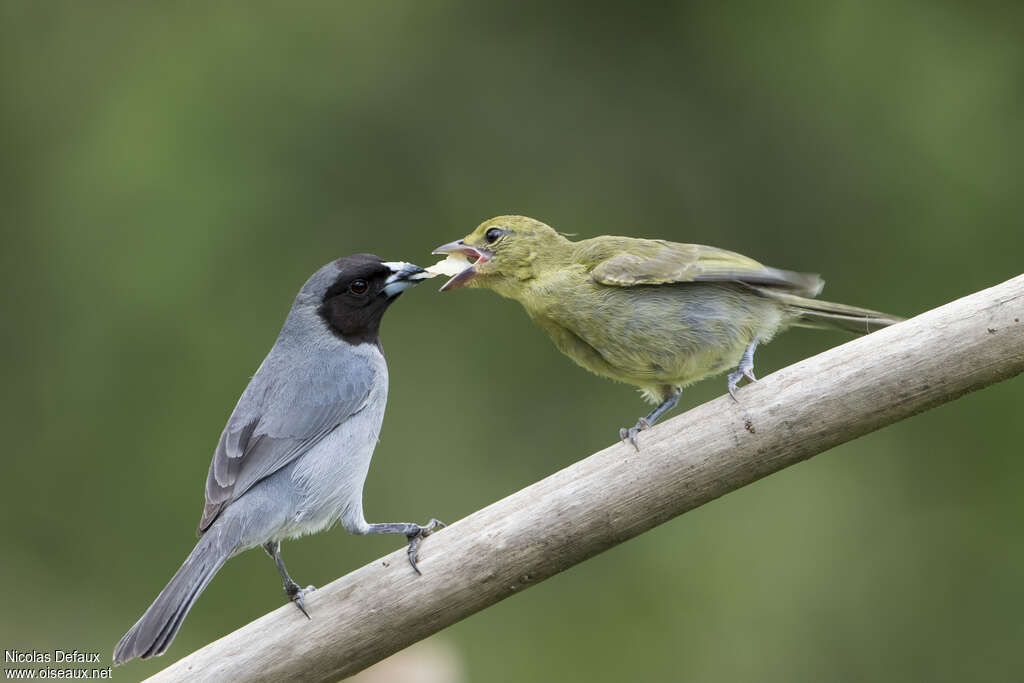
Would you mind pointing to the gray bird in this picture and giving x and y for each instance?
(295, 452)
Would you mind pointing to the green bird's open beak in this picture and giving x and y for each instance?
(475, 257)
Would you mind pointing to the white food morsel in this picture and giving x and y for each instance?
(451, 266)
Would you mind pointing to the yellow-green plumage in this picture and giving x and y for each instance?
(655, 314)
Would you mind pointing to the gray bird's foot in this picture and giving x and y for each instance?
(414, 532)
(631, 433)
(295, 594)
(745, 369)
(291, 589)
(416, 538)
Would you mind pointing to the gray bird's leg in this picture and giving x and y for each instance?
(745, 369)
(648, 422)
(291, 588)
(414, 532)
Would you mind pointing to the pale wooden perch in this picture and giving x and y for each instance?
(618, 493)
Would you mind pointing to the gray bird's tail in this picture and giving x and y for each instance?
(152, 634)
(831, 316)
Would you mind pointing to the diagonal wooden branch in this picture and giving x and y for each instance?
(618, 493)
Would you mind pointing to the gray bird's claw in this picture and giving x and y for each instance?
(295, 594)
(631, 433)
(416, 538)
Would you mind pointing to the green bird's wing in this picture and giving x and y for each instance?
(628, 262)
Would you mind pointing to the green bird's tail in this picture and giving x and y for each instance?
(831, 316)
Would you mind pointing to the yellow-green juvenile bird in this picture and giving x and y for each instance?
(655, 314)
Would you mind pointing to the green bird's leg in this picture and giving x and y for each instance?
(745, 369)
(647, 422)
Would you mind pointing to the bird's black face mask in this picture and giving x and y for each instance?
(352, 307)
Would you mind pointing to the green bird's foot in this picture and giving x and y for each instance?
(745, 369)
(631, 433)
(735, 377)
(648, 422)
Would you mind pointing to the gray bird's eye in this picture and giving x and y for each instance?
(358, 287)
(493, 234)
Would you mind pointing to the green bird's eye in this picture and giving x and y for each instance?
(493, 234)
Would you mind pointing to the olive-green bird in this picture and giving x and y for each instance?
(655, 314)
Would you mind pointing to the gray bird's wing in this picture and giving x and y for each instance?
(283, 413)
(629, 262)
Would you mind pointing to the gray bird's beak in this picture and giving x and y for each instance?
(403, 276)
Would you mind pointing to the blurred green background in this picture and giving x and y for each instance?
(171, 174)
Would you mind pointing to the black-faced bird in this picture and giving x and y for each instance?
(655, 314)
(296, 450)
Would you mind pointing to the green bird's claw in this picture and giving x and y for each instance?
(745, 369)
(631, 433)
(643, 423)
